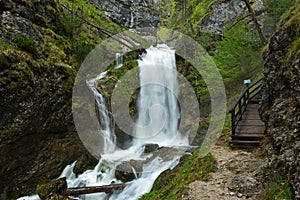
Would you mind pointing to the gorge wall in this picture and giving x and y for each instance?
(280, 108)
(42, 44)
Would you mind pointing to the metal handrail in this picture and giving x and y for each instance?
(242, 102)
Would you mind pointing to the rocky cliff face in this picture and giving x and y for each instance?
(131, 13)
(224, 12)
(42, 44)
(280, 108)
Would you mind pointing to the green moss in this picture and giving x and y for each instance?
(81, 50)
(172, 184)
(291, 23)
(4, 63)
(26, 43)
(55, 186)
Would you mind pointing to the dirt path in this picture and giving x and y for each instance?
(236, 177)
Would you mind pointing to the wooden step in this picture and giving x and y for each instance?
(252, 106)
(251, 122)
(255, 101)
(250, 129)
(248, 137)
(251, 112)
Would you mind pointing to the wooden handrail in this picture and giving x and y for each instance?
(239, 107)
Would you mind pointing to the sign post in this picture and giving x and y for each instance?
(247, 82)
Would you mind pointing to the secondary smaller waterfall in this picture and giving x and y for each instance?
(119, 60)
(106, 127)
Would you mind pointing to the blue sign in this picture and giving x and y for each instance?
(247, 81)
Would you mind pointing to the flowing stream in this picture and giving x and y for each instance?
(157, 123)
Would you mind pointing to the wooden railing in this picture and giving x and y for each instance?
(238, 109)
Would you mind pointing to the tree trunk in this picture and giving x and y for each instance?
(92, 189)
(257, 25)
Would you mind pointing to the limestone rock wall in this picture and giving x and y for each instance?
(130, 13)
(224, 11)
(280, 108)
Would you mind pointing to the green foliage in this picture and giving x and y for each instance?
(278, 187)
(199, 10)
(26, 43)
(172, 184)
(275, 9)
(238, 55)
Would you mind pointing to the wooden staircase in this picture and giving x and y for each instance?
(247, 127)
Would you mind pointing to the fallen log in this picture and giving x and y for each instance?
(92, 189)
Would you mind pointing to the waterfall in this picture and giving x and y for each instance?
(158, 110)
(157, 123)
(119, 60)
(106, 126)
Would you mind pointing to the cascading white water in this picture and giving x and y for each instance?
(119, 60)
(158, 110)
(105, 124)
(157, 123)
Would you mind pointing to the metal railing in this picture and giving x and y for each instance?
(239, 107)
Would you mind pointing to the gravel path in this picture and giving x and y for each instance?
(236, 177)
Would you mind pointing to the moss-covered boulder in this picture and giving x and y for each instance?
(54, 187)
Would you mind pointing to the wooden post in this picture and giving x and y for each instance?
(233, 122)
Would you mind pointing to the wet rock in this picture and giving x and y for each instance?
(52, 189)
(132, 169)
(84, 162)
(150, 148)
(127, 171)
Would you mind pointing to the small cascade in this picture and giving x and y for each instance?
(106, 126)
(119, 60)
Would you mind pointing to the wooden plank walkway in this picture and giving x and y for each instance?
(247, 127)
(250, 129)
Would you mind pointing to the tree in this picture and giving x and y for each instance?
(255, 21)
